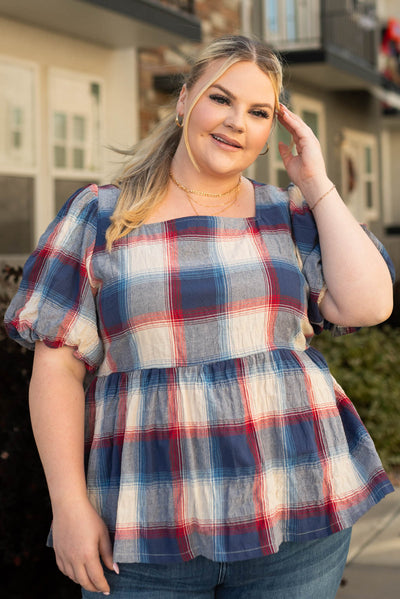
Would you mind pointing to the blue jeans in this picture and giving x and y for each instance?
(310, 570)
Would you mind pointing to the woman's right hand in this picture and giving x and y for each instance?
(57, 405)
(80, 539)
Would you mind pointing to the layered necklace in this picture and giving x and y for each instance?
(222, 205)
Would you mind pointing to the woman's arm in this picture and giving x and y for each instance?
(359, 285)
(56, 398)
(360, 291)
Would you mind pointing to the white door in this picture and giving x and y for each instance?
(359, 174)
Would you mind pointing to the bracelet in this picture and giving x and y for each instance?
(322, 197)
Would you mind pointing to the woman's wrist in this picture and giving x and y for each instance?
(314, 190)
(63, 508)
(324, 195)
(62, 500)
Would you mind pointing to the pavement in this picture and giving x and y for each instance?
(373, 564)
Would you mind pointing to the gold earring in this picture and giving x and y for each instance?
(179, 121)
(265, 151)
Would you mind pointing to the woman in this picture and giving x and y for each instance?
(222, 459)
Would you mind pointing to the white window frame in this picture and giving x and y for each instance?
(308, 25)
(70, 172)
(302, 103)
(35, 170)
(30, 170)
(299, 103)
(354, 193)
(387, 185)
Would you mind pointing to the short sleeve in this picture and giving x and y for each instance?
(305, 236)
(55, 302)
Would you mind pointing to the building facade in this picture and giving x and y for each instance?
(80, 76)
(335, 78)
(69, 90)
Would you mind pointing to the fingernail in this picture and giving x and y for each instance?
(106, 593)
(115, 568)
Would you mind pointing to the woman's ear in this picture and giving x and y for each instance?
(180, 105)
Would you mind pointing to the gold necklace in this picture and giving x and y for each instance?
(211, 205)
(205, 193)
(226, 204)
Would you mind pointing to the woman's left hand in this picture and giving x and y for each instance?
(359, 288)
(309, 163)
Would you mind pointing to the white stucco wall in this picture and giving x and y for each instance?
(117, 70)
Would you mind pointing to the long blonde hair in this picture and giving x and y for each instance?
(144, 179)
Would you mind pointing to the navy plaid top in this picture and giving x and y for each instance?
(212, 427)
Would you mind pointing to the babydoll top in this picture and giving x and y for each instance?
(212, 427)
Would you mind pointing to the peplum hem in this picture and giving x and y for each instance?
(226, 460)
(156, 550)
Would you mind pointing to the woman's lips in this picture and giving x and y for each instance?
(226, 141)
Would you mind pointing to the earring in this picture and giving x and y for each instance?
(265, 151)
(179, 121)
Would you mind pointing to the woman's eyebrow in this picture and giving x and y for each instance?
(233, 97)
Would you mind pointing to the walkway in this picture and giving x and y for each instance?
(373, 565)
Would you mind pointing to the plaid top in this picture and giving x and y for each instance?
(213, 428)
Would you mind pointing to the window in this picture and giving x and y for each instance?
(279, 176)
(34, 184)
(16, 214)
(60, 140)
(272, 17)
(390, 176)
(313, 113)
(16, 128)
(17, 115)
(64, 188)
(292, 23)
(18, 156)
(76, 105)
(359, 174)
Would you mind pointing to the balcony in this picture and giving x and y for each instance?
(114, 23)
(185, 5)
(330, 42)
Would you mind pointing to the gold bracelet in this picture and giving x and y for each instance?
(322, 197)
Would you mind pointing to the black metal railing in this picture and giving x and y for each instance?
(349, 28)
(354, 32)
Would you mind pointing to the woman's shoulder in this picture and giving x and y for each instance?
(101, 198)
(85, 215)
(93, 205)
(290, 198)
(83, 199)
(271, 194)
(107, 197)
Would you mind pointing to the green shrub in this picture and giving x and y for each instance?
(367, 365)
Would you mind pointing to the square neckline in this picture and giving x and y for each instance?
(217, 217)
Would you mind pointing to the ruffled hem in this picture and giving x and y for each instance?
(228, 460)
(251, 539)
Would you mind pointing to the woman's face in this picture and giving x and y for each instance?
(230, 123)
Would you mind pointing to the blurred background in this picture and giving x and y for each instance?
(79, 76)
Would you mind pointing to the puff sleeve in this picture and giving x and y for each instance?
(305, 236)
(55, 302)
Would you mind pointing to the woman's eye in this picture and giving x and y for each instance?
(263, 114)
(219, 99)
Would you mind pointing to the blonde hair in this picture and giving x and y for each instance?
(144, 179)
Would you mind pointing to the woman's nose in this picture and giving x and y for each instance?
(235, 120)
